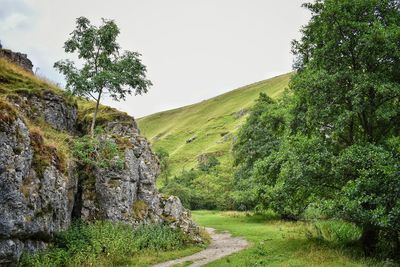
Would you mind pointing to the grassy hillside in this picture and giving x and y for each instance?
(210, 124)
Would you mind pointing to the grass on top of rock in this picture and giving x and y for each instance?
(105, 114)
(8, 112)
(275, 242)
(15, 81)
(112, 244)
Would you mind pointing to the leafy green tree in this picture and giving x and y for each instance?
(347, 92)
(348, 59)
(340, 140)
(104, 69)
(371, 195)
(257, 139)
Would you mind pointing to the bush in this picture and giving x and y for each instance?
(89, 244)
(208, 163)
(98, 152)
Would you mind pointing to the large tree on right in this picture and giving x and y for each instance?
(346, 93)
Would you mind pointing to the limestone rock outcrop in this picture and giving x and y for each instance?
(41, 192)
(35, 202)
(53, 108)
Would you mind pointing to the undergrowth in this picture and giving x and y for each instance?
(103, 243)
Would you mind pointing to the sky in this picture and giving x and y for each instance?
(193, 49)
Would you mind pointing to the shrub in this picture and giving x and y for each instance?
(208, 163)
(98, 152)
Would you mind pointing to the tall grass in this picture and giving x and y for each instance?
(334, 231)
(105, 243)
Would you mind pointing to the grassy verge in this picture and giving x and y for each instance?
(113, 244)
(278, 243)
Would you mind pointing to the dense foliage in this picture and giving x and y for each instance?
(333, 141)
(104, 69)
(105, 243)
(204, 187)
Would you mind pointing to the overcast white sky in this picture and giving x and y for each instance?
(193, 49)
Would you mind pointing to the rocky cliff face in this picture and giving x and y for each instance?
(17, 58)
(42, 191)
(128, 193)
(35, 202)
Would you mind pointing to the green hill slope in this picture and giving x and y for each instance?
(207, 127)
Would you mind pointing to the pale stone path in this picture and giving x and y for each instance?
(222, 244)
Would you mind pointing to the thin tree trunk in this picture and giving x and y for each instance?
(95, 114)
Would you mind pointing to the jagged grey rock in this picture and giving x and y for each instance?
(53, 108)
(36, 204)
(32, 207)
(129, 194)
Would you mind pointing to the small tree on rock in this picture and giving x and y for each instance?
(104, 68)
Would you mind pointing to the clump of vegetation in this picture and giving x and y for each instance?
(140, 209)
(16, 81)
(42, 155)
(45, 153)
(8, 114)
(337, 232)
(206, 187)
(105, 243)
(163, 157)
(208, 163)
(98, 152)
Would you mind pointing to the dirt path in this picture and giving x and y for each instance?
(222, 244)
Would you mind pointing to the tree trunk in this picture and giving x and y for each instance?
(395, 241)
(95, 114)
(369, 239)
(397, 244)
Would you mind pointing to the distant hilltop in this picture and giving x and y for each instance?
(17, 58)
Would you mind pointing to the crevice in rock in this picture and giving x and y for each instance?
(78, 202)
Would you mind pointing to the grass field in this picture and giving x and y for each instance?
(211, 124)
(277, 243)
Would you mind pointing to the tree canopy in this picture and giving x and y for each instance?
(103, 68)
(337, 146)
